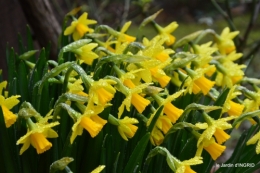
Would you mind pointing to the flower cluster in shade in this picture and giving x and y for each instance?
(138, 80)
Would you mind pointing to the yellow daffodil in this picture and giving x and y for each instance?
(202, 61)
(196, 81)
(80, 27)
(126, 128)
(164, 123)
(152, 70)
(229, 72)
(253, 140)
(76, 88)
(156, 136)
(89, 120)
(36, 136)
(224, 42)
(132, 97)
(172, 112)
(102, 91)
(85, 53)
(214, 149)
(122, 37)
(214, 127)
(184, 166)
(155, 49)
(7, 104)
(231, 107)
(166, 32)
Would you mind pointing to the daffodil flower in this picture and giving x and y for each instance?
(89, 120)
(85, 53)
(225, 42)
(7, 104)
(76, 88)
(196, 81)
(126, 128)
(184, 166)
(202, 61)
(152, 71)
(102, 91)
(231, 107)
(166, 32)
(122, 37)
(172, 112)
(214, 127)
(253, 140)
(79, 27)
(156, 136)
(36, 136)
(214, 149)
(155, 49)
(132, 97)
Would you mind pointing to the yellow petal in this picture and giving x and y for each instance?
(139, 102)
(92, 127)
(40, 143)
(9, 117)
(25, 146)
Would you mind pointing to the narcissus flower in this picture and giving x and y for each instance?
(214, 149)
(184, 166)
(36, 136)
(197, 81)
(214, 127)
(225, 42)
(155, 49)
(7, 104)
(156, 136)
(172, 112)
(79, 27)
(85, 53)
(89, 120)
(166, 32)
(76, 88)
(253, 140)
(132, 97)
(231, 107)
(126, 128)
(102, 91)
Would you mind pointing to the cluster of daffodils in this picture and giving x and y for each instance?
(155, 85)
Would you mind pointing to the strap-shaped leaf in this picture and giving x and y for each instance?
(137, 155)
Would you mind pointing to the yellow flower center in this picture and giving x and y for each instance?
(92, 127)
(221, 135)
(162, 56)
(104, 96)
(9, 117)
(171, 40)
(235, 108)
(188, 170)
(204, 84)
(40, 143)
(82, 29)
(215, 150)
(172, 112)
(139, 102)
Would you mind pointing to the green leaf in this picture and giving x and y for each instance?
(27, 55)
(179, 126)
(154, 119)
(216, 114)
(7, 153)
(137, 155)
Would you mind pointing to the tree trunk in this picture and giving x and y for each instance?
(43, 23)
